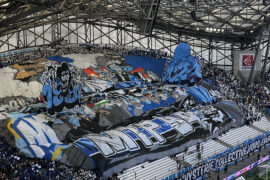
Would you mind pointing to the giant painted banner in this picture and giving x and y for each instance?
(60, 87)
(34, 138)
(127, 118)
(123, 147)
(183, 69)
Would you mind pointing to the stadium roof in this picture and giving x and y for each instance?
(229, 20)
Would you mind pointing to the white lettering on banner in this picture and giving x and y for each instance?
(24, 127)
(205, 122)
(181, 126)
(184, 115)
(21, 101)
(198, 171)
(150, 127)
(112, 142)
(189, 118)
(219, 118)
(35, 132)
(194, 119)
(125, 138)
(185, 128)
(174, 122)
(210, 124)
(144, 139)
(227, 158)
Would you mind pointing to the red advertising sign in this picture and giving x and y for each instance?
(247, 60)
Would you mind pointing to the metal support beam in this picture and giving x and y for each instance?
(105, 34)
(40, 36)
(122, 33)
(256, 57)
(265, 59)
(70, 31)
(210, 55)
(7, 40)
(151, 16)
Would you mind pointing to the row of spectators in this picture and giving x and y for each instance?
(249, 97)
(14, 166)
(109, 50)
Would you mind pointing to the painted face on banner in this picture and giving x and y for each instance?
(60, 88)
(65, 77)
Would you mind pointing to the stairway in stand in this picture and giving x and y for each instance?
(223, 143)
(256, 128)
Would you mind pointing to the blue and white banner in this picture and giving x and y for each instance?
(19, 51)
(34, 138)
(123, 147)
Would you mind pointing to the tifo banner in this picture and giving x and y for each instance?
(123, 147)
(183, 69)
(61, 88)
(220, 160)
(34, 138)
(246, 61)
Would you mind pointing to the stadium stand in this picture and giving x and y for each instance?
(211, 148)
(256, 126)
(133, 90)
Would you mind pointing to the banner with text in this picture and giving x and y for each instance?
(222, 159)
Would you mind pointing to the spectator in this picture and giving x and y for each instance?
(12, 166)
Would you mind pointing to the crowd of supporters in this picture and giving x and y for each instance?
(14, 166)
(111, 50)
(248, 96)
